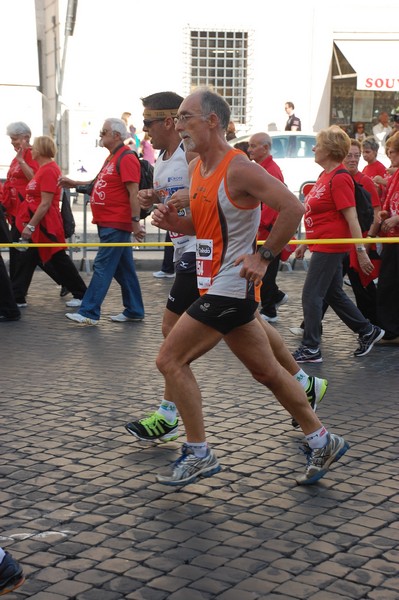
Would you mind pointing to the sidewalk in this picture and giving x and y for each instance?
(80, 507)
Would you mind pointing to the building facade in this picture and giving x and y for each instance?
(96, 59)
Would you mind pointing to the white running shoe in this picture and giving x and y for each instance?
(121, 318)
(74, 303)
(298, 331)
(81, 319)
(188, 468)
(283, 300)
(163, 275)
(268, 319)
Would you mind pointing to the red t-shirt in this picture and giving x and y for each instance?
(109, 200)
(16, 182)
(376, 168)
(391, 203)
(45, 180)
(323, 206)
(50, 229)
(269, 215)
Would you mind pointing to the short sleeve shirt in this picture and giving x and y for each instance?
(323, 210)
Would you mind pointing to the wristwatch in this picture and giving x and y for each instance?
(31, 227)
(136, 219)
(266, 253)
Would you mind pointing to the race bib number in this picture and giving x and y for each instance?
(204, 257)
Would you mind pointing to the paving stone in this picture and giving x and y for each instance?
(79, 504)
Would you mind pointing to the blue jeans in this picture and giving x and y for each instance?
(113, 262)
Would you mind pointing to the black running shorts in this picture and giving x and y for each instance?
(223, 313)
(183, 293)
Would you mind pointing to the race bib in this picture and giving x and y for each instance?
(204, 257)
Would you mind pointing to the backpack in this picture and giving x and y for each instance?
(146, 177)
(68, 219)
(364, 208)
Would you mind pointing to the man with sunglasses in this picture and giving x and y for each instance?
(170, 185)
(226, 190)
(116, 212)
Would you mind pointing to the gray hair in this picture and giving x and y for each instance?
(18, 128)
(118, 126)
(214, 103)
(265, 139)
(370, 143)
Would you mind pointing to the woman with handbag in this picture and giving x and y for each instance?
(39, 220)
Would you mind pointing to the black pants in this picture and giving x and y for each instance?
(366, 297)
(60, 262)
(270, 292)
(8, 306)
(17, 257)
(167, 263)
(388, 291)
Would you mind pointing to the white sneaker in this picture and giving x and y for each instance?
(268, 319)
(74, 303)
(283, 300)
(81, 319)
(163, 275)
(121, 318)
(298, 331)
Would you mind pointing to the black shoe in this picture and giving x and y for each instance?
(366, 342)
(3, 318)
(11, 575)
(64, 291)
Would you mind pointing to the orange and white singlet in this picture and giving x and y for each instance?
(224, 232)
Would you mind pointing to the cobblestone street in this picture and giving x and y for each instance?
(82, 511)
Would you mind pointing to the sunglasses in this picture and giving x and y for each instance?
(148, 122)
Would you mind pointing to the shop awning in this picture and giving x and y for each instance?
(375, 63)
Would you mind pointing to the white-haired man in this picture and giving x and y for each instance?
(116, 212)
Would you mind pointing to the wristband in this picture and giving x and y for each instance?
(31, 227)
(136, 219)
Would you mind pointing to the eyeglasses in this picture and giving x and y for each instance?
(184, 118)
(105, 131)
(148, 122)
(357, 156)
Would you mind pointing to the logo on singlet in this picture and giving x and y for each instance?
(204, 250)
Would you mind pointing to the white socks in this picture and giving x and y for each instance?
(168, 411)
(303, 378)
(200, 449)
(318, 439)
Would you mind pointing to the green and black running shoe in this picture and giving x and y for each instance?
(315, 392)
(154, 428)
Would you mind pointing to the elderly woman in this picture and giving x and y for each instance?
(363, 286)
(388, 226)
(331, 213)
(39, 220)
(21, 170)
(369, 152)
